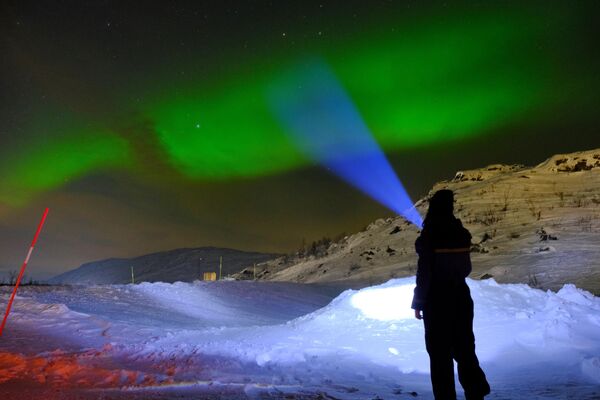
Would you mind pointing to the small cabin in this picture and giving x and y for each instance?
(209, 276)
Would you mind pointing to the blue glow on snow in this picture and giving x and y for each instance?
(323, 122)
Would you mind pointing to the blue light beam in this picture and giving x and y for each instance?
(321, 119)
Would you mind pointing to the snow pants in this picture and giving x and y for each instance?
(448, 317)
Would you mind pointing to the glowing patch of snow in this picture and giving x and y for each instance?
(385, 304)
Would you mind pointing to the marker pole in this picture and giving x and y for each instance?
(12, 296)
(220, 266)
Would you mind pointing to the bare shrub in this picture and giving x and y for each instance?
(12, 277)
(505, 198)
(490, 217)
(580, 201)
(532, 281)
(585, 223)
(534, 209)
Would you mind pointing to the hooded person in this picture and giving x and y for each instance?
(443, 300)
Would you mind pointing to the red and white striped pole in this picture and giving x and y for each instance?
(12, 296)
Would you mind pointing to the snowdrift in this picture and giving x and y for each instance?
(292, 338)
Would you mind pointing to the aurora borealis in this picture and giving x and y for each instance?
(152, 125)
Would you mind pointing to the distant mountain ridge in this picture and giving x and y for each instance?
(186, 264)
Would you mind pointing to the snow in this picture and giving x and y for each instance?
(257, 339)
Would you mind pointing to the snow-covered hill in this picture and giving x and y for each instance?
(538, 225)
(165, 266)
(232, 340)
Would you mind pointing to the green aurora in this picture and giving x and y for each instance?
(438, 79)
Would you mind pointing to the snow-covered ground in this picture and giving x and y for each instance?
(233, 340)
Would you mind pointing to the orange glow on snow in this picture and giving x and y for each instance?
(60, 370)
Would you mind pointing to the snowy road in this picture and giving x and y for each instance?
(234, 340)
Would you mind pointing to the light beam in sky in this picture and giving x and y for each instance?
(324, 123)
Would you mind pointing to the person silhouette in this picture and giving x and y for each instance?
(443, 300)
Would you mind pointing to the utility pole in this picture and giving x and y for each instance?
(220, 266)
(132, 277)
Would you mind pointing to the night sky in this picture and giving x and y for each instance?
(145, 126)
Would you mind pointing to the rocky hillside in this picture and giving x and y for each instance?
(537, 225)
(166, 266)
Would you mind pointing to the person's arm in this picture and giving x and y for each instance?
(466, 243)
(424, 268)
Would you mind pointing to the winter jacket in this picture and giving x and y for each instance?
(444, 259)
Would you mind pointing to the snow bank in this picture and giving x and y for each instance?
(299, 335)
(516, 328)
